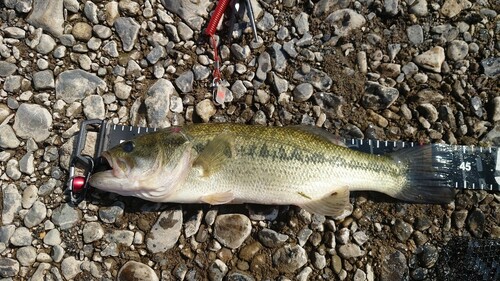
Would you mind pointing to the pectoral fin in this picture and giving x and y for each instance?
(218, 198)
(334, 204)
(214, 155)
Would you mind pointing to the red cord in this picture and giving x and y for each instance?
(217, 75)
(216, 16)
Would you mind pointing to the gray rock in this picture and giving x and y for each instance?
(415, 34)
(344, 21)
(205, 109)
(102, 31)
(303, 236)
(57, 253)
(192, 224)
(360, 237)
(185, 81)
(32, 121)
(476, 223)
(122, 90)
(110, 249)
(26, 255)
(491, 66)
(14, 32)
(428, 111)
(239, 276)
(319, 261)
(350, 250)
(158, 103)
(419, 8)
(201, 72)
(391, 7)
(319, 79)
(457, 50)
(165, 232)
(402, 230)
(74, 85)
(431, 59)
(157, 53)
(280, 85)
(42, 270)
(93, 107)
(303, 92)
(193, 13)
(127, 29)
(138, 271)
(271, 238)
(46, 45)
(217, 270)
(238, 89)
(185, 32)
(6, 232)
(264, 66)
(239, 52)
(289, 48)
(378, 97)
(112, 213)
(290, 258)
(171, 31)
(7, 68)
(428, 256)
(8, 267)
(494, 113)
(21, 237)
(278, 57)
(48, 15)
(82, 31)
(343, 236)
(8, 138)
(266, 23)
(12, 169)
(111, 48)
(120, 237)
(232, 230)
(43, 80)
(301, 22)
(325, 7)
(12, 83)
(65, 216)
(35, 215)
(52, 238)
(394, 267)
(11, 203)
(67, 40)
(70, 267)
(451, 8)
(4, 112)
(129, 7)
(92, 231)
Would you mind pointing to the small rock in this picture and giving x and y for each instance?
(158, 102)
(303, 236)
(93, 107)
(457, 50)
(165, 232)
(205, 109)
(394, 267)
(129, 7)
(415, 34)
(429, 256)
(350, 250)
(301, 22)
(11, 203)
(82, 31)
(127, 29)
(21, 237)
(271, 238)
(303, 92)
(192, 13)
(74, 85)
(14, 32)
(32, 121)
(185, 81)
(35, 215)
(475, 223)
(319, 79)
(52, 238)
(491, 66)
(8, 138)
(65, 216)
(452, 8)
(137, 271)
(217, 270)
(495, 112)
(8, 267)
(264, 66)
(391, 7)
(319, 261)
(290, 258)
(428, 111)
(431, 59)
(344, 21)
(26, 255)
(378, 97)
(402, 230)
(112, 213)
(48, 15)
(7, 68)
(266, 22)
(92, 231)
(43, 80)
(46, 45)
(192, 225)
(70, 267)
(232, 230)
(239, 276)
(419, 8)
(360, 237)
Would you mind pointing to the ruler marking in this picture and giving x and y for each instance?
(114, 127)
(481, 149)
(138, 130)
(361, 142)
(123, 128)
(352, 141)
(456, 184)
(147, 130)
(403, 144)
(370, 142)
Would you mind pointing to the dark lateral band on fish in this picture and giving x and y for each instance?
(234, 163)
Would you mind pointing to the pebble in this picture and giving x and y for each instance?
(8, 267)
(136, 271)
(239, 276)
(46, 45)
(419, 8)
(26, 255)
(360, 237)
(165, 232)
(52, 238)
(70, 267)
(65, 216)
(35, 215)
(345, 21)
(92, 231)
(319, 261)
(303, 92)
(431, 60)
(158, 102)
(289, 258)
(451, 8)
(111, 213)
(93, 107)
(303, 236)
(185, 82)
(192, 13)
(82, 31)
(402, 230)
(495, 112)
(7, 68)
(264, 66)
(43, 80)
(394, 267)
(350, 250)
(491, 66)
(8, 137)
(205, 109)
(127, 29)
(48, 15)
(391, 7)
(428, 256)
(415, 34)
(476, 223)
(303, 274)
(11, 203)
(14, 32)
(271, 238)
(266, 22)
(12, 169)
(74, 85)
(378, 97)
(319, 79)
(217, 270)
(457, 50)
(359, 275)
(232, 230)
(262, 212)
(301, 22)
(21, 237)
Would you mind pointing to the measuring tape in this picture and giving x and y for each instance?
(475, 168)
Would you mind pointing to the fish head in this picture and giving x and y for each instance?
(146, 167)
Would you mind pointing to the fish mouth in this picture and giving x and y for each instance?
(119, 167)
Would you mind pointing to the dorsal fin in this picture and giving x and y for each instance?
(320, 133)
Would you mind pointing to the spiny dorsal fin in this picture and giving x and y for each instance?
(333, 204)
(320, 133)
(218, 198)
(214, 155)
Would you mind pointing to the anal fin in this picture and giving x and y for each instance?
(218, 198)
(335, 204)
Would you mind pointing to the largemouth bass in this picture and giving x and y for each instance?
(232, 163)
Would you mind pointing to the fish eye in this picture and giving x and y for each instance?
(128, 146)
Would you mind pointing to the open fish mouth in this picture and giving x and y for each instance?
(118, 167)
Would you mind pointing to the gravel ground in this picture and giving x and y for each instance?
(395, 70)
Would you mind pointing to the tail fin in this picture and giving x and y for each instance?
(429, 174)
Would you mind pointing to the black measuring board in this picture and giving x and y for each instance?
(474, 168)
